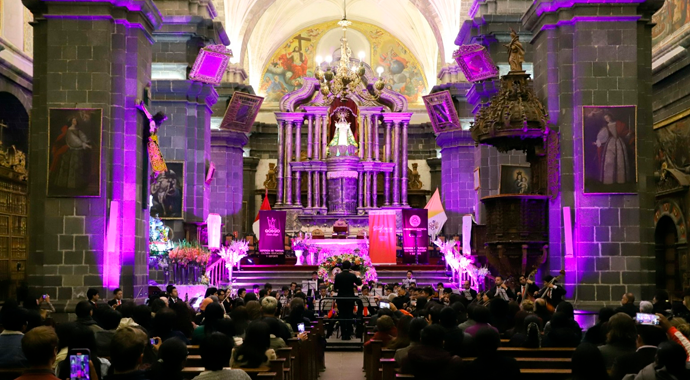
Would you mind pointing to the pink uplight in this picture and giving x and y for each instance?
(214, 223)
(111, 262)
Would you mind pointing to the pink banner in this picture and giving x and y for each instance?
(382, 236)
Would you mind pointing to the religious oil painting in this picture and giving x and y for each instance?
(609, 149)
(515, 179)
(672, 142)
(441, 111)
(241, 112)
(296, 59)
(74, 152)
(167, 192)
(671, 22)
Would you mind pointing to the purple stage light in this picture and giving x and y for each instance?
(475, 62)
(210, 64)
(111, 259)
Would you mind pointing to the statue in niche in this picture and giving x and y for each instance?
(270, 183)
(516, 53)
(415, 182)
(343, 142)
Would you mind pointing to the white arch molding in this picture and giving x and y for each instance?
(427, 27)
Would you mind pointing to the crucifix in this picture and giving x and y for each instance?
(155, 121)
(299, 39)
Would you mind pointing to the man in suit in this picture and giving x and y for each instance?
(314, 277)
(527, 286)
(501, 290)
(93, 297)
(552, 293)
(648, 338)
(468, 294)
(345, 283)
(173, 295)
(628, 305)
(117, 299)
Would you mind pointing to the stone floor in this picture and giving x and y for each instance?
(343, 365)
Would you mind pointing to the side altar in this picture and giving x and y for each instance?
(356, 139)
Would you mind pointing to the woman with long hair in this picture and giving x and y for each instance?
(185, 316)
(403, 338)
(255, 350)
(213, 313)
(240, 317)
(296, 315)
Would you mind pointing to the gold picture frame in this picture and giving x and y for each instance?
(477, 179)
(163, 205)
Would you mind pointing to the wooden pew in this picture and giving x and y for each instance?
(387, 353)
(549, 352)
(372, 355)
(262, 373)
(538, 374)
(286, 353)
(538, 363)
(193, 350)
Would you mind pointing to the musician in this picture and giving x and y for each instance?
(314, 277)
(527, 290)
(501, 290)
(409, 280)
(552, 293)
(468, 294)
(117, 298)
(368, 301)
(344, 284)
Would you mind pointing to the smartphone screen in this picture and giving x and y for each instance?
(384, 305)
(153, 342)
(647, 319)
(300, 327)
(79, 365)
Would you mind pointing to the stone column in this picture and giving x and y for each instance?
(317, 138)
(375, 127)
(309, 189)
(387, 177)
(367, 184)
(396, 159)
(577, 66)
(323, 190)
(403, 185)
(374, 189)
(324, 136)
(298, 158)
(457, 190)
(360, 197)
(360, 130)
(317, 189)
(234, 179)
(281, 162)
(249, 208)
(310, 138)
(105, 68)
(288, 159)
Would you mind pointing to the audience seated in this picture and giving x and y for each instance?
(670, 363)
(253, 309)
(13, 319)
(63, 331)
(481, 316)
(269, 308)
(562, 333)
(109, 321)
(213, 313)
(660, 302)
(82, 336)
(39, 347)
(255, 350)
(529, 336)
(470, 318)
(275, 330)
(588, 363)
(454, 336)
(385, 327)
(297, 314)
(646, 307)
(84, 311)
(216, 353)
(628, 305)
(415, 331)
(596, 334)
(240, 318)
(648, 339)
(620, 340)
(490, 364)
(428, 360)
(127, 354)
(172, 358)
(141, 315)
(184, 318)
(164, 326)
(402, 339)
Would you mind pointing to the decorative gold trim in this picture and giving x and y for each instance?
(672, 119)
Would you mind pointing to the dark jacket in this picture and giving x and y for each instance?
(473, 294)
(136, 375)
(496, 366)
(430, 363)
(633, 363)
(11, 355)
(345, 283)
(531, 289)
(629, 309)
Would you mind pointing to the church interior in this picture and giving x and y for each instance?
(484, 150)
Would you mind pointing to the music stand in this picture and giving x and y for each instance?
(310, 285)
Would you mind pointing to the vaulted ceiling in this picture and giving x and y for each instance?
(427, 27)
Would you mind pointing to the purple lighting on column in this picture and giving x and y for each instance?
(214, 222)
(111, 259)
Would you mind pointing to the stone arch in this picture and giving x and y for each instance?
(671, 209)
(15, 116)
(671, 257)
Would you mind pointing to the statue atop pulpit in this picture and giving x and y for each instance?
(516, 53)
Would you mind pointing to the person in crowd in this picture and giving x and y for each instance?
(567, 309)
(561, 332)
(490, 364)
(254, 310)
(172, 358)
(402, 337)
(674, 334)
(216, 353)
(269, 308)
(84, 311)
(385, 331)
(482, 317)
(628, 305)
(211, 291)
(453, 338)
(501, 290)
(588, 363)
(275, 328)
(64, 332)
(142, 316)
(670, 363)
(164, 324)
(45, 306)
(596, 334)
(109, 322)
(241, 293)
(14, 323)
(661, 304)
(646, 307)
(409, 279)
(255, 350)
(415, 329)
(529, 335)
(526, 290)
(262, 293)
(156, 305)
(240, 318)
(117, 298)
(621, 338)
(184, 319)
(648, 339)
(552, 292)
(227, 327)
(173, 295)
(429, 360)
(368, 301)
(214, 313)
(228, 302)
(81, 336)
(39, 347)
(467, 293)
(127, 354)
(499, 310)
(402, 300)
(314, 277)
(297, 314)
(541, 310)
(470, 318)
(93, 296)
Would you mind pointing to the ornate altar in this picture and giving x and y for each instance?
(516, 234)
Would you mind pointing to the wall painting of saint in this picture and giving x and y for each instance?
(167, 192)
(609, 149)
(74, 152)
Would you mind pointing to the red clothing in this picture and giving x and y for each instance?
(679, 338)
(37, 374)
(384, 337)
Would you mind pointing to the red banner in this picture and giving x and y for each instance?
(382, 237)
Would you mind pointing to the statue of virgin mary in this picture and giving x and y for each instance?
(343, 138)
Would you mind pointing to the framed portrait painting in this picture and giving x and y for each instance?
(609, 149)
(442, 113)
(241, 112)
(167, 192)
(477, 179)
(74, 152)
(515, 179)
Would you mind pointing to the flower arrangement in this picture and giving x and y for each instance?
(185, 253)
(234, 253)
(366, 269)
(159, 237)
